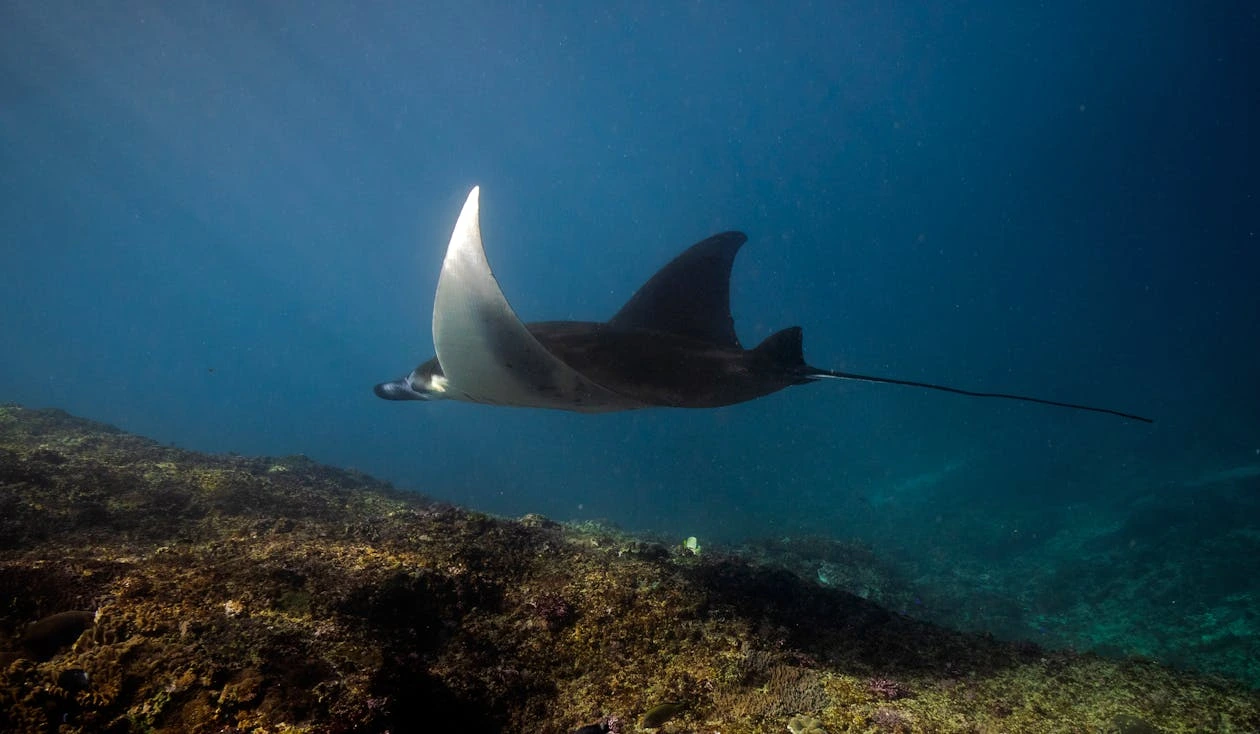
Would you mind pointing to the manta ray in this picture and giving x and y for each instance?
(673, 344)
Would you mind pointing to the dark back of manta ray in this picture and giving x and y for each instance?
(690, 296)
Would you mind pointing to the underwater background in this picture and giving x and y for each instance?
(223, 223)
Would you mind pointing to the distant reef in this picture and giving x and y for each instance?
(149, 589)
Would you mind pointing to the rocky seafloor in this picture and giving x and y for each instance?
(146, 588)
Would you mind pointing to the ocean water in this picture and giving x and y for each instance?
(222, 223)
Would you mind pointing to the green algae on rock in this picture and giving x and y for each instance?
(661, 713)
(805, 725)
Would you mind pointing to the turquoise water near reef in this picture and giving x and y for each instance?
(223, 223)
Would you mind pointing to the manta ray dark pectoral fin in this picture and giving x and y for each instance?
(691, 296)
(813, 373)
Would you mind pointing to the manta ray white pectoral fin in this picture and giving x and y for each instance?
(487, 355)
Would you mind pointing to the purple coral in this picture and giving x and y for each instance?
(886, 688)
(553, 609)
(890, 720)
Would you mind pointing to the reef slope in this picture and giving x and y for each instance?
(146, 588)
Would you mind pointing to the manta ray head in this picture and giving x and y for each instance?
(425, 382)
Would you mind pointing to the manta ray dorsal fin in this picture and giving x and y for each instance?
(486, 353)
(691, 296)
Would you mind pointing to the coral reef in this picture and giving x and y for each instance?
(144, 588)
(1146, 566)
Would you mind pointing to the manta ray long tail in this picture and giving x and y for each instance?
(816, 373)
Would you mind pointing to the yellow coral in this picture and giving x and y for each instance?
(805, 725)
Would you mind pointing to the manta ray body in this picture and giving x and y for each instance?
(673, 344)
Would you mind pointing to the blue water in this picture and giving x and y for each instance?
(223, 223)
